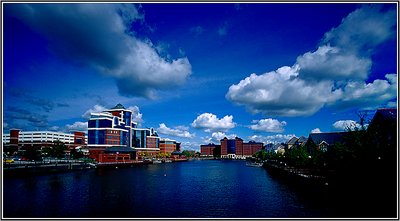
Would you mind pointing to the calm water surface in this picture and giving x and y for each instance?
(197, 189)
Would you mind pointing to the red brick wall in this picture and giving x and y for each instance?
(14, 136)
(224, 146)
(79, 136)
(239, 147)
(111, 158)
(247, 149)
(167, 148)
(207, 149)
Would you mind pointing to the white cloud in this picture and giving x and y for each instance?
(77, 126)
(346, 125)
(371, 95)
(278, 138)
(273, 93)
(333, 75)
(136, 115)
(216, 137)
(134, 63)
(96, 109)
(178, 131)
(209, 122)
(333, 63)
(363, 29)
(268, 125)
(186, 145)
(54, 128)
(315, 131)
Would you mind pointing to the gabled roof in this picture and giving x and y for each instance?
(292, 141)
(385, 114)
(302, 139)
(278, 145)
(330, 138)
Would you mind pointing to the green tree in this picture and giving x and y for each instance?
(186, 153)
(59, 149)
(298, 157)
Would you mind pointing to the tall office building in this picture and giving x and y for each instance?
(110, 128)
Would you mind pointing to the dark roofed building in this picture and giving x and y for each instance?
(301, 141)
(323, 140)
(291, 142)
(383, 131)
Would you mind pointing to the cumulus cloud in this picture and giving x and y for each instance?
(179, 131)
(371, 95)
(333, 63)
(272, 93)
(77, 126)
(333, 75)
(209, 122)
(268, 125)
(316, 130)
(363, 29)
(277, 138)
(346, 125)
(100, 36)
(95, 109)
(136, 115)
(216, 137)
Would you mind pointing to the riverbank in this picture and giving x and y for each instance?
(56, 166)
(369, 192)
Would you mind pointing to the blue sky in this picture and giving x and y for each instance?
(197, 72)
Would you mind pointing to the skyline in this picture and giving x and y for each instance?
(199, 72)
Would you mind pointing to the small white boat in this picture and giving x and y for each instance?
(157, 161)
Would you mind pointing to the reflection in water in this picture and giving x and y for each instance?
(197, 189)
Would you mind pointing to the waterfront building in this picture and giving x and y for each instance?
(110, 128)
(231, 147)
(167, 146)
(146, 142)
(39, 139)
(251, 148)
(207, 149)
(322, 141)
(291, 143)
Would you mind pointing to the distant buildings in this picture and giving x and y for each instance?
(19, 141)
(40, 139)
(231, 148)
(210, 150)
(324, 140)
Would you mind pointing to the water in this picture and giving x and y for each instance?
(194, 189)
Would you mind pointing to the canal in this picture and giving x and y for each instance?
(193, 189)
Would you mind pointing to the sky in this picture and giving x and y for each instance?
(198, 72)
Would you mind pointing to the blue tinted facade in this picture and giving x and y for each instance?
(111, 127)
